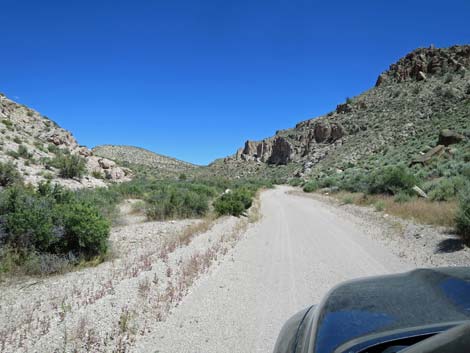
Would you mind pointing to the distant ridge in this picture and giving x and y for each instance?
(135, 157)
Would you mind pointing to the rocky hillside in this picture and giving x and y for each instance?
(399, 120)
(35, 145)
(144, 161)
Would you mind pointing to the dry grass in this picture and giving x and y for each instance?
(417, 209)
(254, 213)
(194, 229)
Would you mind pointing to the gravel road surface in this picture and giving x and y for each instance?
(287, 261)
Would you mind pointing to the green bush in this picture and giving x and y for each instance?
(69, 165)
(311, 186)
(295, 182)
(379, 205)
(347, 200)
(52, 220)
(9, 175)
(23, 152)
(402, 197)
(392, 180)
(234, 202)
(28, 220)
(444, 189)
(86, 231)
(172, 202)
(462, 220)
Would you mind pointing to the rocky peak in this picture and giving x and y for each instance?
(423, 62)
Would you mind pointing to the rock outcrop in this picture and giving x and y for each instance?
(41, 139)
(281, 151)
(423, 62)
(448, 137)
(423, 93)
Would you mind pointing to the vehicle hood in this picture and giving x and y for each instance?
(374, 305)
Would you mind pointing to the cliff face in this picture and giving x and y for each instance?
(423, 93)
(29, 140)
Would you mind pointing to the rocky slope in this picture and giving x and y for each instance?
(30, 141)
(144, 161)
(399, 119)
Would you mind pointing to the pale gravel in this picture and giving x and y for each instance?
(302, 246)
(289, 260)
(82, 311)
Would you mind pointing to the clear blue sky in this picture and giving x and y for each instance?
(195, 79)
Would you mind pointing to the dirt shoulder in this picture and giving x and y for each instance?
(107, 308)
(419, 244)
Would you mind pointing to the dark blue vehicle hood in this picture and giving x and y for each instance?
(381, 305)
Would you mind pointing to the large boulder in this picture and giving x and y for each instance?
(448, 137)
(321, 132)
(106, 163)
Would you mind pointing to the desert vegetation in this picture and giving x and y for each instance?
(49, 229)
(430, 194)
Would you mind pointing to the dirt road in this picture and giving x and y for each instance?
(287, 261)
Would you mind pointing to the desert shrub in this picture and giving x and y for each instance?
(9, 175)
(53, 148)
(104, 199)
(449, 78)
(86, 231)
(17, 140)
(391, 180)
(234, 202)
(402, 197)
(311, 186)
(295, 182)
(348, 199)
(97, 174)
(52, 220)
(379, 205)
(7, 123)
(446, 188)
(40, 264)
(356, 182)
(328, 182)
(28, 220)
(172, 202)
(462, 219)
(69, 165)
(23, 152)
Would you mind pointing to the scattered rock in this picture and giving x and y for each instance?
(426, 158)
(344, 108)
